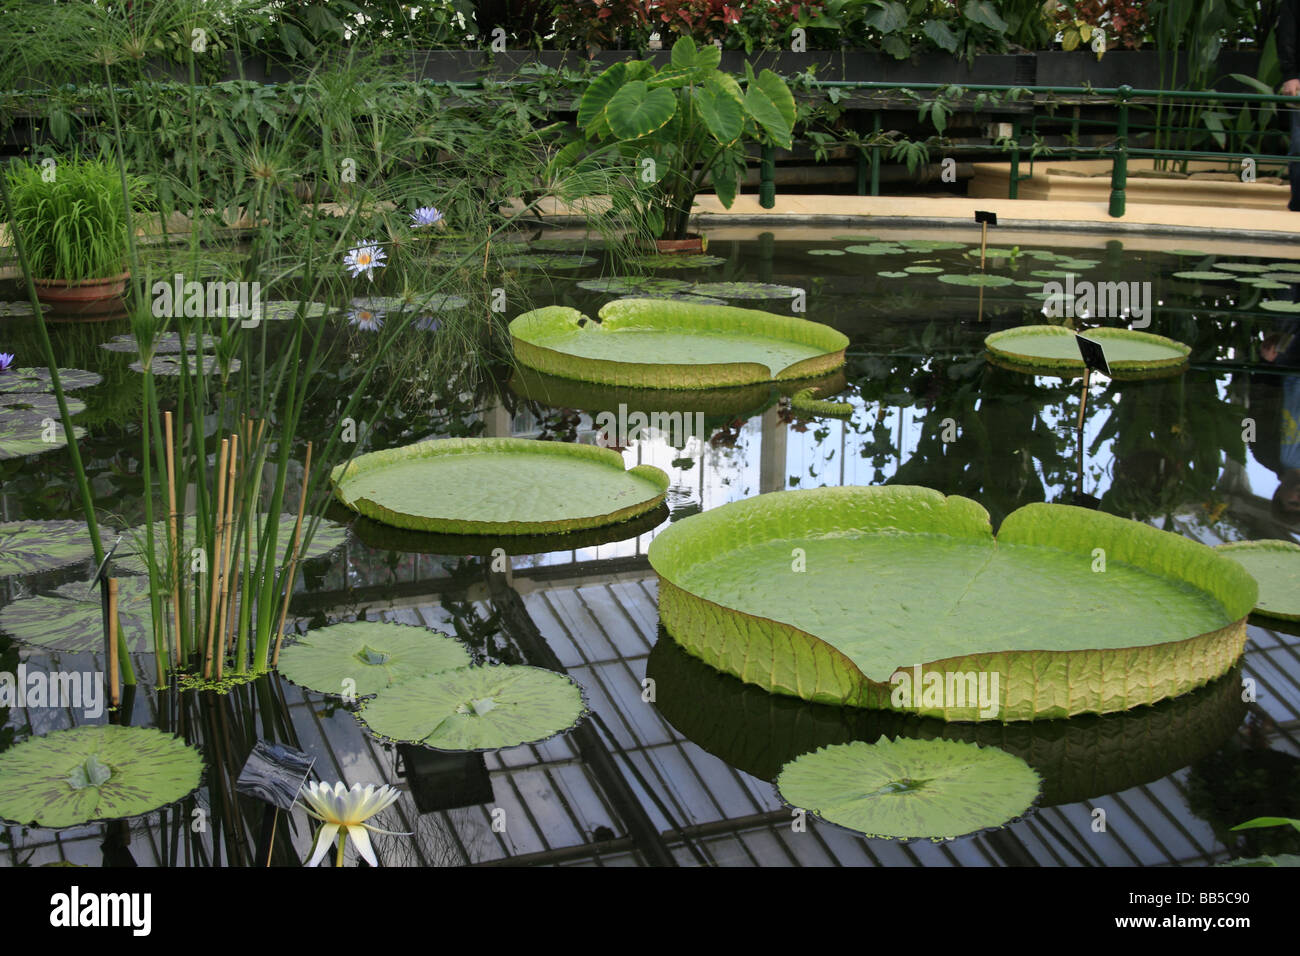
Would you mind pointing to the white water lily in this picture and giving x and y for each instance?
(343, 813)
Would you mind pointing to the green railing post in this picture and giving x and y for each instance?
(1013, 186)
(875, 157)
(862, 172)
(1119, 169)
(767, 178)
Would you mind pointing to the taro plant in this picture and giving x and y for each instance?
(671, 128)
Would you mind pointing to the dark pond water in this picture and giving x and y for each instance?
(687, 778)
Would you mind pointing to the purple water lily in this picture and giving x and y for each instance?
(425, 216)
(365, 258)
(6, 360)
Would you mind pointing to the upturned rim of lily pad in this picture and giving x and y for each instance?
(1272, 602)
(1000, 346)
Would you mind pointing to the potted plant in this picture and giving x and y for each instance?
(73, 219)
(672, 127)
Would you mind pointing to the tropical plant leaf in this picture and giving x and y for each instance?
(373, 655)
(771, 104)
(30, 546)
(723, 117)
(476, 708)
(941, 34)
(653, 343)
(38, 379)
(1275, 565)
(497, 486)
(700, 60)
(70, 618)
(636, 110)
(93, 773)
(985, 14)
(731, 594)
(598, 94)
(910, 789)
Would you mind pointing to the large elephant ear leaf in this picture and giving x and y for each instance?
(591, 107)
(725, 175)
(700, 60)
(770, 102)
(636, 110)
(723, 116)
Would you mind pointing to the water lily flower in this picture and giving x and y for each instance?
(365, 258)
(343, 813)
(6, 360)
(365, 317)
(425, 216)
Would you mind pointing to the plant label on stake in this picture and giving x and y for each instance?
(1093, 355)
(1094, 359)
(984, 219)
(274, 774)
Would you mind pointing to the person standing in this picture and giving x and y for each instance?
(1288, 57)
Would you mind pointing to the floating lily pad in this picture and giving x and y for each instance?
(23, 434)
(163, 343)
(674, 297)
(677, 261)
(892, 275)
(1269, 284)
(922, 270)
(476, 708)
(1279, 305)
(745, 290)
(578, 244)
(1052, 273)
(548, 261)
(988, 280)
(373, 655)
(1285, 266)
(898, 578)
(651, 343)
(131, 557)
(497, 486)
(911, 789)
(631, 285)
(71, 619)
(170, 364)
(38, 380)
(93, 773)
(806, 401)
(1276, 566)
(1242, 266)
(857, 238)
(1205, 275)
(1188, 252)
(992, 252)
(932, 245)
(1285, 278)
(1053, 347)
(1028, 284)
(281, 310)
(825, 252)
(37, 405)
(422, 302)
(876, 249)
(17, 309)
(30, 546)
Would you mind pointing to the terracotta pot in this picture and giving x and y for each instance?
(88, 298)
(691, 243)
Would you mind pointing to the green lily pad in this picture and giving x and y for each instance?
(17, 309)
(282, 310)
(876, 249)
(163, 343)
(1205, 275)
(1053, 347)
(27, 547)
(911, 789)
(1285, 278)
(577, 244)
(374, 655)
(632, 285)
(897, 578)
(1188, 252)
(922, 270)
(651, 343)
(1285, 266)
(37, 405)
(71, 619)
(170, 364)
(476, 708)
(806, 401)
(1052, 273)
(545, 262)
(825, 252)
(892, 275)
(38, 380)
(745, 290)
(992, 252)
(988, 280)
(1279, 305)
(674, 297)
(23, 434)
(1028, 284)
(497, 486)
(1242, 266)
(131, 557)
(677, 261)
(1081, 265)
(932, 245)
(1270, 285)
(92, 773)
(1276, 566)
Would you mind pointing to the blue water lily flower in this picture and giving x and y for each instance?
(425, 216)
(366, 318)
(6, 360)
(365, 258)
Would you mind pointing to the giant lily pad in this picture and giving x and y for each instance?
(1080, 758)
(899, 598)
(649, 343)
(1053, 347)
(92, 773)
(373, 655)
(910, 789)
(1276, 566)
(23, 434)
(38, 379)
(70, 618)
(476, 708)
(30, 546)
(497, 486)
(132, 558)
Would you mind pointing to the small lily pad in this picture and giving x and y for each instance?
(923, 270)
(373, 655)
(825, 252)
(37, 405)
(70, 618)
(633, 285)
(876, 249)
(910, 789)
(892, 275)
(163, 343)
(988, 280)
(96, 772)
(1205, 275)
(1242, 266)
(27, 547)
(38, 379)
(476, 708)
(1188, 252)
(932, 245)
(23, 434)
(17, 309)
(745, 290)
(544, 262)
(170, 364)
(857, 238)
(281, 310)
(1276, 566)
(682, 261)
(578, 244)
(1279, 305)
